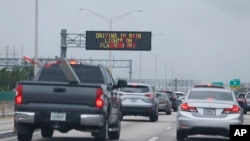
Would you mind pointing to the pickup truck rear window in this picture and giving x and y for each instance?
(86, 74)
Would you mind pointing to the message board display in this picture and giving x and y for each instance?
(118, 40)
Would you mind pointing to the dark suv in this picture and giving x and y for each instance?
(241, 97)
(172, 97)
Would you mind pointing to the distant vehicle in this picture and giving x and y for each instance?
(208, 110)
(172, 97)
(242, 100)
(164, 103)
(248, 101)
(179, 94)
(139, 99)
(179, 97)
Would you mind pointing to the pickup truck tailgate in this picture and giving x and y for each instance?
(59, 93)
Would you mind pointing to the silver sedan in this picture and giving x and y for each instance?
(208, 110)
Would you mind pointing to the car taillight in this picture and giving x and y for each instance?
(149, 95)
(186, 107)
(233, 109)
(99, 98)
(19, 94)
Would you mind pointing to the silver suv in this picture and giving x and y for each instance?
(139, 99)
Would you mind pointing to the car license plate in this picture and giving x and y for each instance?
(209, 111)
(55, 116)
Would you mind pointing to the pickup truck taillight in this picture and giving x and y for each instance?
(19, 94)
(99, 98)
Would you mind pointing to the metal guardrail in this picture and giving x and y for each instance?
(7, 108)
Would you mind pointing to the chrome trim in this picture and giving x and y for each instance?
(24, 117)
(92, 120)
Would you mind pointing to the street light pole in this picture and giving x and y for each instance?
(110, 21)
(156, 60)
(36, 37)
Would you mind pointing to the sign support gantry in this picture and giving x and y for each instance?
(76, 40)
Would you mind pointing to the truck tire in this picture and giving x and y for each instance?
(180, 136)
(47, 133)
(103, 134)
(115, 135)
(24, 132)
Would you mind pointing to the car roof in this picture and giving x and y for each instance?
(179, 92)
(210, 89)
(165, 91)
(136, 83)
(208, 86)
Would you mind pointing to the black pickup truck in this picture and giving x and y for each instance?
(65, 96)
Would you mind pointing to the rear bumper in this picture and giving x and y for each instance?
(83, 119)
(209, 126)
(138, 110)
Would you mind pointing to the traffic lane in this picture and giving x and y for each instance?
(133, 128)
(7, 124)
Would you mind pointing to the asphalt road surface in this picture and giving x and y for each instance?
(133, 129)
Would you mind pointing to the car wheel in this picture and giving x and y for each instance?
(175, 109)
(180, 136)
(168, 112)
(24, 132)
(154, 117)
(245, 111)
(115, 135)
(47, 133)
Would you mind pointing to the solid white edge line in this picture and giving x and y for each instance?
(15, 137)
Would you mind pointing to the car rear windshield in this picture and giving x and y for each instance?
(86, 74)
(210, 95)
(135, 89)
(241, 96)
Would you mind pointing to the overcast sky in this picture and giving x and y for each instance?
(207, 40)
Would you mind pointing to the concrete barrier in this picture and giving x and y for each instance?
(7, 108)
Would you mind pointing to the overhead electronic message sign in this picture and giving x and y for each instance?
(118, 40)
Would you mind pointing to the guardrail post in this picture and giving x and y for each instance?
(3, 104)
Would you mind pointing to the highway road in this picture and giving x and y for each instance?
(133, 129)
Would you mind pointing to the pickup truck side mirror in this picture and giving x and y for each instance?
(121, 83)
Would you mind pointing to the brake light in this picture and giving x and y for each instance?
(149, 95)
(234, 109)
(19, 94)
(99, 98)
(186, 107)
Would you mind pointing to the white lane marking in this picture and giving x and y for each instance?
(7, 131)
(168, 128)
(15, 137)
(153, 139)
